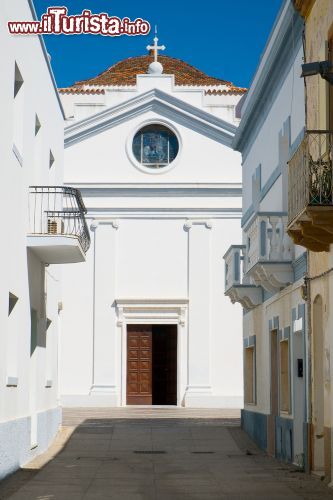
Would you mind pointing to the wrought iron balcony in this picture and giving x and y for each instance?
(58, 231)
(236, 286)
(269, 251)
(310, 192)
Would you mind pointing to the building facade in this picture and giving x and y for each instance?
(310, 224)
(37, 233)
(149, 145)
(265, 271)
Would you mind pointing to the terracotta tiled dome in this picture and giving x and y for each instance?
(123, 73)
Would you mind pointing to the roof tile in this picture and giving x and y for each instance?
(123, 73)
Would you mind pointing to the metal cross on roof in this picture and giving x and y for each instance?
(155, 48)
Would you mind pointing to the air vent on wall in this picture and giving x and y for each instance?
(55, 225)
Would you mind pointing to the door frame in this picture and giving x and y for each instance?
(154, 312)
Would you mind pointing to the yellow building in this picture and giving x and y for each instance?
(310, 221)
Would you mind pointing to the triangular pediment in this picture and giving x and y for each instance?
(165, 105)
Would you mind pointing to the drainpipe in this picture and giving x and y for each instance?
(307, 286)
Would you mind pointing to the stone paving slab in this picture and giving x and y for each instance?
(102, 454)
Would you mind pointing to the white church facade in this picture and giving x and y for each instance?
(145, 320)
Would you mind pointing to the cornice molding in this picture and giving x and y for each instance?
(161, 191)
(161, 103)
(157, 185)
(166, 213)
(155, 311)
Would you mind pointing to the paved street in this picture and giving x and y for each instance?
(127, 454)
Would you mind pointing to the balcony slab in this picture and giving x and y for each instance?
(249, 296)
(56, 249)
(313, 228)
(272, 276)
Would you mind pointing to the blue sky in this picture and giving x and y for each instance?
(224, 40)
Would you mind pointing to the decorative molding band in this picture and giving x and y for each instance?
(153, 185)
(163, 213)
(162, 191)
(166, 302)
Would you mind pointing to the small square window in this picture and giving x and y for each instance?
(33, 331)
(37, 125)
(12, 302)
(18, 80)
(52, 159)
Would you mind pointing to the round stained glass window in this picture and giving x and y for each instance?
(155, 146)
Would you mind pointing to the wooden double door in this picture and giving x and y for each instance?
(151, 364)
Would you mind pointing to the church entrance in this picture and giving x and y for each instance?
(151, 365)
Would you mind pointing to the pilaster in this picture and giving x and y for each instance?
(104, 379)
(199, 340)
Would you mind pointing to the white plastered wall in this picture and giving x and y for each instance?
(23, 393)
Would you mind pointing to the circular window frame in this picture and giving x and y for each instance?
(143, 168)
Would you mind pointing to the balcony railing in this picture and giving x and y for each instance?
(267, 240)
(234, 259)
(237, 285)
(310, 173)
(58, 210)
(269, 251)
